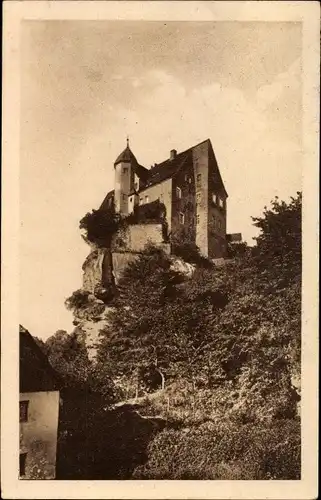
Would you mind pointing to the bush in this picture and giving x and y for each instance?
(209, 451)
(154, 211)
(78, 300)
(100, 226)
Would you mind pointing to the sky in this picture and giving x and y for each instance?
(86, 85)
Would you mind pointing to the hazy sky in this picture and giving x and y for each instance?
(86, 85)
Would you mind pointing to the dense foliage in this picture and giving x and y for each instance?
(213, 357)
(227, 340)
(100, 226)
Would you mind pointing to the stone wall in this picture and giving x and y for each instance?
(135, 237)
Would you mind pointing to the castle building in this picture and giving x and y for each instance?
(188, 184)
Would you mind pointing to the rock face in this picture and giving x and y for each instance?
(103, 269)
(93, 267)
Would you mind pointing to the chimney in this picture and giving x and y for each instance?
(173, 154)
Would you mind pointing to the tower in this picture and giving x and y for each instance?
(124, 179)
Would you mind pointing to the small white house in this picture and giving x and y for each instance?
(39, 411)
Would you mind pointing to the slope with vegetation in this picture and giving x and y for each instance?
(215, 356)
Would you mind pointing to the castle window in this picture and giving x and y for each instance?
(124, 197)
(146, 199)
(189, 180)
(219, 223)
(197, 219)
(178, 192)
(140, 201)
(186, 177)
(198, 197)
(136, 186)
(131, 199)
(198, 178)
(221, 202)
(23, 411)
(181, 218)
(214, 198)
(125, 170)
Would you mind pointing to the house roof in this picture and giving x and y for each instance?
(127, 156)
(167, 168)
(161, 171)
(36, 373)
(105, 204)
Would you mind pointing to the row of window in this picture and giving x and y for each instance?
(181, 218)
(217, 200)
(217, 223)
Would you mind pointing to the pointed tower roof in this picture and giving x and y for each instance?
(127, 156)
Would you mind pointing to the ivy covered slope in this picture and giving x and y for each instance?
(214, 355)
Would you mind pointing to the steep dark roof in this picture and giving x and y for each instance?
(106, 202)
(36, 373)
(167, 168)
(126, 156)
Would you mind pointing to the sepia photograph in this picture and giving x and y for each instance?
(161, 188)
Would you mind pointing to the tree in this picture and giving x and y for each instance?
(278, 247)
(100, 226)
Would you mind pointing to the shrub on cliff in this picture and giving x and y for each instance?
(100, 226)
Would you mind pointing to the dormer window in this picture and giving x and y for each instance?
(221, 202)
(214, 198)
(178, 192)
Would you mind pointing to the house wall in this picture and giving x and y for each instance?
(200, 164)
(38, 436)
(163, 192)
(186, 205)
(217, 246)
